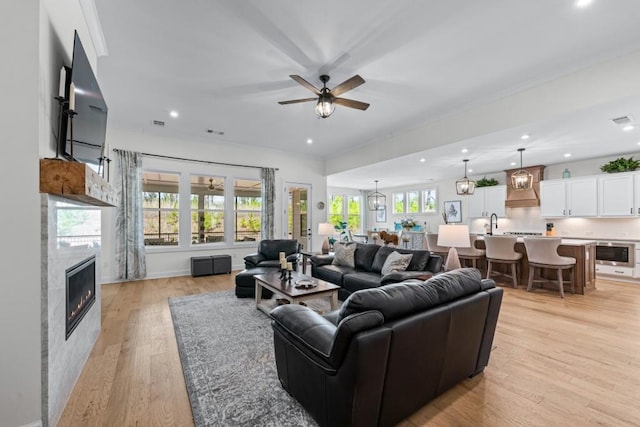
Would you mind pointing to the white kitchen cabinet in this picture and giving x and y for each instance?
(486, 201)
(636, 193)
(616, 194)
(574, 197)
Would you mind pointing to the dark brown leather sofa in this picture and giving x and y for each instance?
(367, 272)
(389, 350)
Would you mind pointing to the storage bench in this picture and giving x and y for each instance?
(208, 265)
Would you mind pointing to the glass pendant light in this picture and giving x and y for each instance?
(465, 186)
(521, 180)
(376, 201)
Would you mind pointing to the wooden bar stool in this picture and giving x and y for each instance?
(501, 250)
(543, 253)
(472, 253)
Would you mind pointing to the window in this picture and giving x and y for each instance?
(207, 209)
(77, 225)
(429, 201)
(346, 208)
(413, 202)
(160, 208)
(354, 215)
(398, 203)
(247, 207)
(336, 209)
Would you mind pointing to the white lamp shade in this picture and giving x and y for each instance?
(326, 229)
(456, 236)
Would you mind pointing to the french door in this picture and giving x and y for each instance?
(297, 214)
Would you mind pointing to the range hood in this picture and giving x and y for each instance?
(525, 198)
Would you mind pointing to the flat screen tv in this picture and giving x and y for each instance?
(90, 120)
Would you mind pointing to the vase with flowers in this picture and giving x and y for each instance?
(407, 223)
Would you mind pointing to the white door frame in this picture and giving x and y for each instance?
(285, 218)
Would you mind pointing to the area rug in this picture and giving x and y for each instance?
(226, 350)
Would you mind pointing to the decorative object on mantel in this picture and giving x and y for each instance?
(486, 182)
(521, 180)
(76, 181)
(376, 200)
(620, 165)
(566, 173)
(465, 186)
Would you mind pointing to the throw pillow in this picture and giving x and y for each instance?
(396, 262)
(344, 254)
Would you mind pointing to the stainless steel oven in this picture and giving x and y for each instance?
(621, 254)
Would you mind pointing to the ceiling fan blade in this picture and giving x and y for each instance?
(305, 83)
(351, 103)
(347, 85)
(295, 101)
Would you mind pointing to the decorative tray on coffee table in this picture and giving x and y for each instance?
(305, 284)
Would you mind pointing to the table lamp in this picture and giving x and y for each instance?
(453, 236)
(326, 229)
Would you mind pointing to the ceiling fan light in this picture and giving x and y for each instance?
(324, 107)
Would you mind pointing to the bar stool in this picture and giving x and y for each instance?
(432, 246)
(543, 253)
(472, 253)
(500, 250)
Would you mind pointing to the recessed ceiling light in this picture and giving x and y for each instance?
(513, 163)
(525, 136)
(309, 141)
(627, 128)
(567, 154)
(464, 150)
(583, 3)
(424, 160)
(638, 142)
(173, 113)
(470, 170)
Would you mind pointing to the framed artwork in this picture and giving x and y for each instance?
(430, 201)
(381, 214)
(453, 211)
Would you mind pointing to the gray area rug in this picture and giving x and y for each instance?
(226, 350)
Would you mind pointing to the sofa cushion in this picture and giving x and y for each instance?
(396, 262)
(359, 280)
(380, 258)
(419, 261)
(364, 255)
(344, 255)
(333, 273)
(402, 299)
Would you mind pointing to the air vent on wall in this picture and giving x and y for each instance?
(158, 123)
(622, 120)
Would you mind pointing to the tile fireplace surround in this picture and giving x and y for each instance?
(62, 360)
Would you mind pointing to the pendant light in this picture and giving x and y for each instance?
(465, 186)
(376, 201)
(325, 107)
(521, 180)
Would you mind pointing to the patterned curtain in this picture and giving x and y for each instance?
(365, 211)
(268, 202)
(129, 225)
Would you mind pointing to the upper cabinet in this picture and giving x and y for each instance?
(575, 197)
(487, 200)
(616, 194)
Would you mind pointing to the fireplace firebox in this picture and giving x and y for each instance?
(81, 292)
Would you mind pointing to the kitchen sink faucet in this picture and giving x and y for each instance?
(490, 233)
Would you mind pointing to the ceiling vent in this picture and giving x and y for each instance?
(622, 120)
(158, 123)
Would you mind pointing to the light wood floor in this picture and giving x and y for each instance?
(556, 362)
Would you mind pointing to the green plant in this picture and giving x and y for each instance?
(620, 165)
(484, 182)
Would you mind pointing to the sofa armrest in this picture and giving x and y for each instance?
(401, 276)
(252, 260)
(319, 260)
(316, 336)
(434, 264)
(293, 258)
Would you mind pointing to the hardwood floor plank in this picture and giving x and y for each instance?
(571, 361)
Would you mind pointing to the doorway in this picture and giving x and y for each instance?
(298, 213)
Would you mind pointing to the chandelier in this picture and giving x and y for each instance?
(521, 180)
(465, 186)
(376, 200)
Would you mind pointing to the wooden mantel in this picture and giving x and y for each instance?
(75, 181)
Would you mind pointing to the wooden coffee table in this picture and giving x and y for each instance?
(287, 289)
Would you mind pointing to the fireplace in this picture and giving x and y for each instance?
(81, 292)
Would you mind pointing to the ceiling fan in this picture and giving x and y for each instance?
(212, 185)
(327, 98)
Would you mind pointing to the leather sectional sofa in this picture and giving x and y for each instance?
(367, 272)
(389, 350)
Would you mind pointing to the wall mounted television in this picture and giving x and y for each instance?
(90, 120)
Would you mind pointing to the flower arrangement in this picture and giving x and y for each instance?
(407, 223)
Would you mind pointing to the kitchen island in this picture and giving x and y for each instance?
(584, 251)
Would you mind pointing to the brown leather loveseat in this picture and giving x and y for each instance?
(388, 350)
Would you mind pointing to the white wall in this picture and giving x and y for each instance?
(20, 285)
(165, 262)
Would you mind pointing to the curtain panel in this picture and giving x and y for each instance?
(130, 255)
(268, 202)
